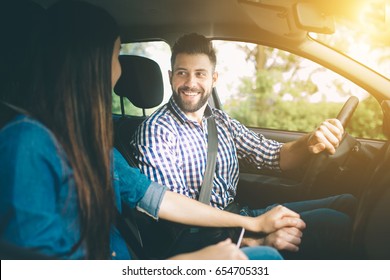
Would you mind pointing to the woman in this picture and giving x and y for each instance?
(58, 191)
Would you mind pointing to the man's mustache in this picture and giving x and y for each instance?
(191, 89)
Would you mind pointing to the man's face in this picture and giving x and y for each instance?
(192, 79)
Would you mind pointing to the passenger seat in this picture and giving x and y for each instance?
(141, 82)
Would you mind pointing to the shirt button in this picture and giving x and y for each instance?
(113, 254)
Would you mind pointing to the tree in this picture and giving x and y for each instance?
(280, 96)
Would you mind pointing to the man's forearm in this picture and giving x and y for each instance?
(294, 154)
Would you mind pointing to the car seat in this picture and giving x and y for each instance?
(141, 83)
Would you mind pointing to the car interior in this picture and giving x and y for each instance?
(142, 84)
(360, 165)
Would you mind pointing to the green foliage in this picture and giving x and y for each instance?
(130, 109)
(279, 96)
(367, 120)
(260, 105)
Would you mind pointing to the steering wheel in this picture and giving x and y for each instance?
(317, 162)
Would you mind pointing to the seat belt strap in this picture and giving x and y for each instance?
(129, 236)
(212, 150)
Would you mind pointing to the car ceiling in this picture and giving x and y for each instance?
(142, 20)
(248, 20)
(268, 22)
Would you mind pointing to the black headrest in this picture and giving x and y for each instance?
(141, 81)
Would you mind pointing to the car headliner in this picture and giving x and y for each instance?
(268, 22)
(167, 19)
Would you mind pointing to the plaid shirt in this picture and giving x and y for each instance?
(172, 150)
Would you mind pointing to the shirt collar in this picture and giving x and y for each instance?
(175, 109)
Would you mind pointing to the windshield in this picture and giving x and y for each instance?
(364, 36)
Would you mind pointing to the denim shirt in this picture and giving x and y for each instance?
(38, 196)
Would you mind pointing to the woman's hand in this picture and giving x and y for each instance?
(277, 218)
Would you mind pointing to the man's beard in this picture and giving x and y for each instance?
(190, 107)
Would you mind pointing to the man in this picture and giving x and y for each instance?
(171, 149)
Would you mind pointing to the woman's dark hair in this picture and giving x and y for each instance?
(193, 44)
(72, 92)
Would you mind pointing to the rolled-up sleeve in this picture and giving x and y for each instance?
(135, 189)
(150, 203)
(255, 148)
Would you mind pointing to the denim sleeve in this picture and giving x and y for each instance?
(135, 189)
(150, 203)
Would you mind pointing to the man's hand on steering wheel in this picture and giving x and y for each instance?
(326, 137)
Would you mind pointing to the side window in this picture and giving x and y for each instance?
(160, 52)
(265, 87)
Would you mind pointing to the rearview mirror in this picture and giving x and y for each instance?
(310, 17)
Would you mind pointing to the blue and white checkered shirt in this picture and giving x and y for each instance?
(172, 150)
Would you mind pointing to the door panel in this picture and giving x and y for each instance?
(346, 172)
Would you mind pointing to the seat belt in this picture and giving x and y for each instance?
(129, 236)
(204, 196)
(212, 151)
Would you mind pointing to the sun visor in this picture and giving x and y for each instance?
(290, 18)
(269, 17)
(312, 18)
